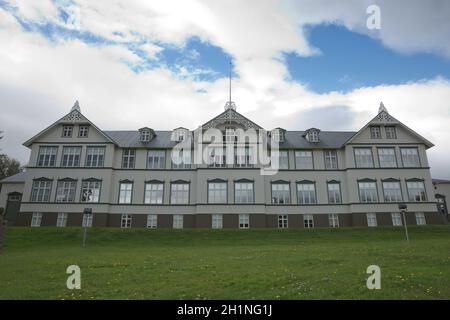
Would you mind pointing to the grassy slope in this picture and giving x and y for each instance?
(226, 264)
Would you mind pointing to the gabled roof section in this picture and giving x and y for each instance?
(228, 116)
(384, 118)
(74, 116)
(17, 178)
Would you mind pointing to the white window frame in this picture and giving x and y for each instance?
(410, 157)
(71, 156)
(36, 219)
(66, 191)
(216, 157)
(128, 158)
(306, 193)
(178, 221)
(304, 160)
(331, 160)
(41, 190)
(396, 218)
(283, 189)
(217, 221)
(125, 220)
(156, 159)
(154, 193)
(179, 193)
(283, 159)
(375, 132)
(243, 192)
(217, 192)
(363, 157)
(416, 189)
(283, 221)
(308, 221)
(391, 132)
(95, 157)
(61, 220)
(387, 158)
(67, 131)
(125, 192)
(244, 221)
(388, 191)
(333, 220)
(334, 195)
(83, 131)
(90, 191)
(47, 156)
(152, 221)
(420, 219)
(371, 219)
(230, 135)
(364, 188)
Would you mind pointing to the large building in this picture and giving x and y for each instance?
(131, 178)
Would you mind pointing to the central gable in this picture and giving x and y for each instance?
(231, 116)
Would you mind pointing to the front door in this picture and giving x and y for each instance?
(13, 207)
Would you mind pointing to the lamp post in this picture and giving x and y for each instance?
(403, 207)
(86, 213)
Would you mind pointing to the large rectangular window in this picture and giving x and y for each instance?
(126, 221)
(128, 158)
(368, 192)
(41, 190)
(281, 193)
(90, 191)
(178, 221)
(152, 221)
(283, 159)
(363, 157)
(243, 157)
(95, 156)
(243, 192)
(334, 192)
(306, 193)
(181, 159)
(410, 157)
(179, 193)
(372, 220)
(386, 157)
(61, 220)
(156, 159)
(217, 192)
(396, 219)
(333, 220)
(217, 157)
(392, 191)
(125, 192)
(36, 219)
(154, 192)
(282, 221)
(71, 157)
(304, 160)
(65, 191)
(244, 221)
(416, 191)
(47, 156)
(230, 135)
(217, 221)
(331, 161)
(308, 221)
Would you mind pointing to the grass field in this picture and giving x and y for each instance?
(226, 264)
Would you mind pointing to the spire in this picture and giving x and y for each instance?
(382, 108)
(76, 107)
(230, 104)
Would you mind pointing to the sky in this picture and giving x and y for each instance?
(295, 64)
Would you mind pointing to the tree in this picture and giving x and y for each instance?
(8, 166)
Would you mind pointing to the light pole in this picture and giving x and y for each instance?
(403, 207)
(87, 212)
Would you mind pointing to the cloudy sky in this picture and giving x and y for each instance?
(163, 64)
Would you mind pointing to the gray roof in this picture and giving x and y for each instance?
(293, 139)
(17, 178)
(439, 181)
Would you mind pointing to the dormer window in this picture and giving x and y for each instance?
(67, 131)
(146, 134)
(312, 135)
(179, 134)
(278, 135)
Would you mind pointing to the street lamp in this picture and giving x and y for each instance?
(402, 207)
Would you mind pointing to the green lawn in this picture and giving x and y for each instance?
(226, 264)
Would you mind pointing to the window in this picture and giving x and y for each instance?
(126, 190)
(313, 136)
(41, 190)
(282, 221)
(230, 135)
(217, 192)
(243, 157)
(179, 193)
(390, 133)
(416, 191)
(90, 191)
(334, 192)
(308, 220)
(281, 193)
(244, 221)
(95, 156)
(375, 132)
(179, 135)
(368, 192)
(36, 219)
(71, 157)
(386, 157)
(306, 193)
(363, 157)
(371, 219)
(392, 192)
(303, 160)
(154, 193)
(125, 221)
(87, 220)
(61, 220)
(283, 159)
(216, 157)
(65, 191)
(152, 221)
(420, 219)
(330, 159)
(178, 221)
(83, 131)
(182, 160)
(128, 158)
(396, 219)
(145, 135)
(333, 220)
(410, 157)
(47, 156)
(67, 131)
(217, 221)
(243, 192)
(156, 159)
(277, 135)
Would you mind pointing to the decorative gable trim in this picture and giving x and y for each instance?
(228, 116)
